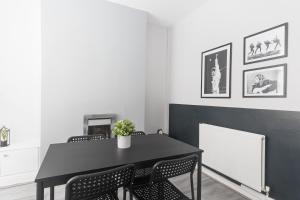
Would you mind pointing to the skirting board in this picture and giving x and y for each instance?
(18, 179)
(245, 191)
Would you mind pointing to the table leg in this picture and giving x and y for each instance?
(52, 193)
(199, 174)
(39, 191)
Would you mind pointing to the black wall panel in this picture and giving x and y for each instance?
(281, 128)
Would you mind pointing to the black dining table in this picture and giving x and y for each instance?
(66, 160)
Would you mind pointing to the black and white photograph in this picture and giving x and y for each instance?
(266, 45)
(216, 72)
(268, 81)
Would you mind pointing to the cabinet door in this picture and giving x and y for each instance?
(19, 161)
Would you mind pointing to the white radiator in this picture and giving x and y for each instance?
(237, 154)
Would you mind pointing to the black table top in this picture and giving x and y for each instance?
(68, 159)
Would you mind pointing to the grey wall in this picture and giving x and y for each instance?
(156, 115)
(93, 61)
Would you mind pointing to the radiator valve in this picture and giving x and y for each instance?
(267, 189)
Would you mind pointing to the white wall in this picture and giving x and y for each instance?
(219, 22)
(94, 62)
(20, 68)
(156, 79)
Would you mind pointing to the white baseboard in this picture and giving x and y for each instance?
(243, 190)
(17, 179)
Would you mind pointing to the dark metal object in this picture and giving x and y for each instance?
(52, 193)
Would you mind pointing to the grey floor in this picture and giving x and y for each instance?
(211, 190)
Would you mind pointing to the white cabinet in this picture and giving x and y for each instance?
(18, 161)
(18, 164)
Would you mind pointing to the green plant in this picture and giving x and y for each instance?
(123, 128)
(4, 134)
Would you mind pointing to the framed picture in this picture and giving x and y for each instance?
(266, 45)
(265, 82)
(216, 72)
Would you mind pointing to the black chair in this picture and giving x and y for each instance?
(138, 133)
(86, 138)
(101, 185)
(159, 187)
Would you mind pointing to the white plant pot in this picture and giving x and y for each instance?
(124, 142)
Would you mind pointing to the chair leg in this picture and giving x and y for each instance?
(192, 187)
(52, 193)
(124, 194)
(131, 196)
(116, 194)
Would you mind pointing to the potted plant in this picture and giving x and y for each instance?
(123, 130)
(4, 134)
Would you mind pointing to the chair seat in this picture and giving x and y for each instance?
(160, 191)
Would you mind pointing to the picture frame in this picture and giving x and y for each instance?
(266, 45)
(216, 72)
(265, 82)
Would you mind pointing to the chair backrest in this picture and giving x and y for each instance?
(92, 186)
(171, 168)
(86, 138)
(138, 133)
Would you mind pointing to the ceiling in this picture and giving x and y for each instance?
(164, 12)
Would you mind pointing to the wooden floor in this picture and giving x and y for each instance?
(211, 190)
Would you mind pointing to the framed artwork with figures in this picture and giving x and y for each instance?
(266, 45)
(216, 72)
(268, 81)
